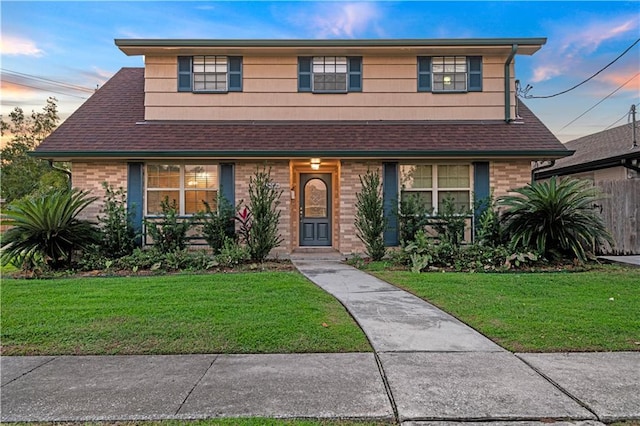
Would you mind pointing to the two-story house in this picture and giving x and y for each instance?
(434, 117)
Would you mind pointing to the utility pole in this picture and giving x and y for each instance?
(633, 126)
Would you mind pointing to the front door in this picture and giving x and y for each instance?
(315, 209)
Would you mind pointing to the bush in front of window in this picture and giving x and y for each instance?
(118, 234)
(217, 223)
(169, 233)
(370, 219)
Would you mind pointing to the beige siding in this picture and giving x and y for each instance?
(89, 177)
(270, 93)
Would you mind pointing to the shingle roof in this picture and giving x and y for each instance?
(596, 150)
(111, 124)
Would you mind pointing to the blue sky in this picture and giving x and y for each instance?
(72, 43)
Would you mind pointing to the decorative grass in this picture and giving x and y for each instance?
(267, 312)
(538, 312)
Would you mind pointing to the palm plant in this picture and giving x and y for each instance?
(555, 217)
(45, 230)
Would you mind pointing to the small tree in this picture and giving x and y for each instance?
(118, 235)
(450, 222)
(370, 220)
(21, 174)
(413, 216)
(259, 221)
(169, 233)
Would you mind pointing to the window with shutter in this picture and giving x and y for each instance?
(209, 74)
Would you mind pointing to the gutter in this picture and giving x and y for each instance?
(507, 83)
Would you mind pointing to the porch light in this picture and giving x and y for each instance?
(315, 163)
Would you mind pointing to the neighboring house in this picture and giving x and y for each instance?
(611, 160)
(434, 117)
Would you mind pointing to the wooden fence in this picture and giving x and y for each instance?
(621, 214)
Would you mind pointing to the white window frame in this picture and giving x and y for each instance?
(328, 65)
(435, 189)
(182, 190)
(452, 67)
(216, 72)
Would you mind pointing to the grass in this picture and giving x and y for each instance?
(538, 312)
(267, 312)
(256, 421)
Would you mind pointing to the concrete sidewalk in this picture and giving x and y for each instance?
(428, 369)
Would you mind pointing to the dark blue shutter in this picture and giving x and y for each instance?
(227, 183)
(235, 73)
(135, 197)
(184, 73)
(424, 74)
(304, 73)
(390, 202)
(354, 64)
(474, 65)
(481, 190)
(227, 188)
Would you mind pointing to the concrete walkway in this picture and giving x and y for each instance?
(428, 369)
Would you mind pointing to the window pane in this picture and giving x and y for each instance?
(154, 198)
(425, 198)
(460, 200)
(315, 199)
(453, 176)
(201, 176)
(193, 202)
(416, 177)
(163, 176)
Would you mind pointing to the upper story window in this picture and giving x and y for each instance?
(209, 74)
(446, 74)
(329, 74)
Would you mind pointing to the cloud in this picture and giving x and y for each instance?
(629, 78)
(12, 45)
(569, 49)
(335, 19)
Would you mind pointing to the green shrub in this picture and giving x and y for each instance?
(370, 220)
(555, 218)
(488, 228)
(217, 224)
(169, 233)
(232, 254)
(450, 223)
(118, 236)
(259, 220)
(46, 230)
(413, 216)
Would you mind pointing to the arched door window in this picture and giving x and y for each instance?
(315, 199)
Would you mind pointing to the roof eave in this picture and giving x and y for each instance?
(532, 154)
(586, 167)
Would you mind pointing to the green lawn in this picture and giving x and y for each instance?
(538, 312)
(267, 312)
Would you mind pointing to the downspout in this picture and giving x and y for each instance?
(507, 84)
(65, 171)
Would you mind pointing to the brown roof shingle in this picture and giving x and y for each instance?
(593, 151)
(111, 123)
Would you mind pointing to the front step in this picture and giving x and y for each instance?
(316, 253)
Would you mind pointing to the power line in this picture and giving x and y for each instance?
(599, 102)
(584, 81)
(49, 81)
(46, 90)
(626, 114)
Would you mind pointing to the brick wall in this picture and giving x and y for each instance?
(350, 172)
(508, 175)
(89, 176)
(280, 175)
